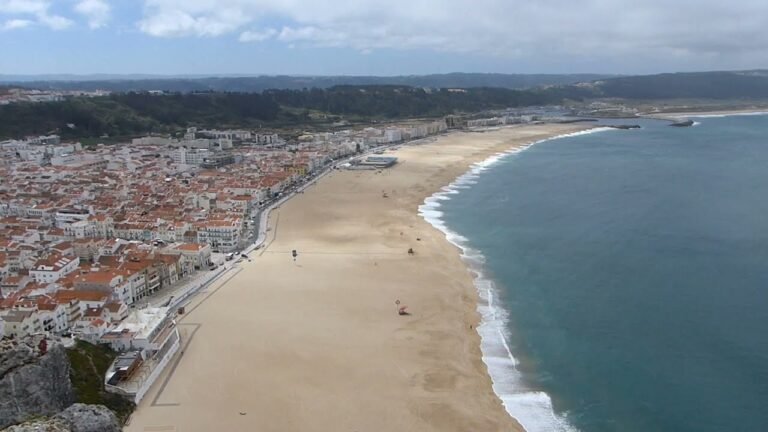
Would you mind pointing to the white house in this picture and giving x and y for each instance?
(53, 267)
(54, 317)
(21, 323)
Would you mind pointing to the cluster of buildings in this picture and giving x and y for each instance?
(508, 119)
(608, 109)
(87, 234)
(14, 95)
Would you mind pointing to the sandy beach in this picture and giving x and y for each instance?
(317, 344)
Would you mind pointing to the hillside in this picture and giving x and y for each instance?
(695, 85)
(137, 113)
(134, 113)
(261, 83)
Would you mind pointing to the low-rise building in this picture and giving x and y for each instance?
(116, 311)
(222, 235)
(54, 316)
(194, 255)
(53, 267)
(21, 323)
(148, 338)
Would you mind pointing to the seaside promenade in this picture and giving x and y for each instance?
(316, 344)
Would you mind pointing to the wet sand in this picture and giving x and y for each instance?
(317, 344)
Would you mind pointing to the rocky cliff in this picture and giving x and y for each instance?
(76, 418)
(34, 380)
(37, 394)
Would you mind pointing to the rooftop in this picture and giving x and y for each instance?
(143, 322)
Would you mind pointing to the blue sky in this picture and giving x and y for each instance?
(379, 38)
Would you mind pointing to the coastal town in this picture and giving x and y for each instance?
(105, 244)
(108, 243)
(431, 216)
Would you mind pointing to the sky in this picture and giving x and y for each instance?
(380, 37)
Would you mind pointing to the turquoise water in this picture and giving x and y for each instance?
(634, 269)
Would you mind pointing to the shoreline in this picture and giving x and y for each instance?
(291, 346)
(519, 402)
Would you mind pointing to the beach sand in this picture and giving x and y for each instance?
(317, 344)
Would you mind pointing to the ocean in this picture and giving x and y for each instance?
(623, 276)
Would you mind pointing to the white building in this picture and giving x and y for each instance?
(65, 217)
(149, 339)
(193, 255)
(142, 329)
(55, 318)
(51, 269)
(81, 229)
(153, 141)
(196, 143)
(221, 144)
(228, 134)
(393, 135)
(45, 140)
(266, 139)
(21, 323)
(184, 156)
(222, 235)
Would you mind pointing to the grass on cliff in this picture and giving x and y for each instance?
(89, 364)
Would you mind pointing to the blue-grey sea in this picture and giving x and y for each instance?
(624, 276)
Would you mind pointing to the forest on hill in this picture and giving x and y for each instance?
(257, 84)
(133, 113)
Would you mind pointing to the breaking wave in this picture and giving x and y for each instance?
(532, 409)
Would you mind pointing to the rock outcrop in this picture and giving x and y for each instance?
(89, 418)
(40, 426)
(76, 418)
(34, 380)
(683, 123)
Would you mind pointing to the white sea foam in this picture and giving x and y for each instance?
(533, 409)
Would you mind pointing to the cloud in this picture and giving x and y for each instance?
(14, 24)
(55, 22)
(37, 9)
(31, 7)
(313, 35)
(95, 11)
(502, 28)
(257, 36)
(187, 21)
